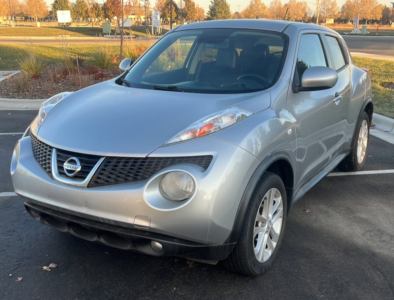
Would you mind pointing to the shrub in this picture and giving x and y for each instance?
(30, 64)
(78, 61)
(100, 76)
(90, 70)
(68, 63)
(21, 83)
(134, 51)
(102, 59)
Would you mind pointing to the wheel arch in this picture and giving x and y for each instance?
(368, 108)
(277, 163)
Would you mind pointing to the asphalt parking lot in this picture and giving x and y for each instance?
(339, 244)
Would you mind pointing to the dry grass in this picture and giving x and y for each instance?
(21, 82)
(103, 58)
(134, 51)
(30, 64)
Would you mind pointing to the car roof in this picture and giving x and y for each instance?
(271, 25)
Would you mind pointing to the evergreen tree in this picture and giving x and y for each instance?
(80, 9)
(61, 5)
(218, 10)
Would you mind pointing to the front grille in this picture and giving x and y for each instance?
(113, 170)
(87, 163)
(116, 170)
(42, 153)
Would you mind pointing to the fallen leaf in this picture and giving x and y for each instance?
(10, 275)
(307, 211)
(19, 279)
(45, 268)
(190, 263)
(53, 266)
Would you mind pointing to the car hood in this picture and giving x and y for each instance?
(108, 119)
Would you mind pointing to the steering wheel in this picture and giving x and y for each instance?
(255, 77)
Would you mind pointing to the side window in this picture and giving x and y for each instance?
(336, 51)
(310, 54)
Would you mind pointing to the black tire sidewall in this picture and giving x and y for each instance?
(358, 166)
(269, 180)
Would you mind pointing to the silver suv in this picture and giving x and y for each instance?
(200, 148)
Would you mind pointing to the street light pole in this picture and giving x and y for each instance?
(318, 12)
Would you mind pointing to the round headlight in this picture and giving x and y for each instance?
(177, 186)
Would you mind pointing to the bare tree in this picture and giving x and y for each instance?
(329, 9)
(35, 9)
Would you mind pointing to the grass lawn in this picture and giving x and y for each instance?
(71, 31)
(382, 71)
(50, 54)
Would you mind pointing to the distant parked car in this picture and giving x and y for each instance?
(200, 148)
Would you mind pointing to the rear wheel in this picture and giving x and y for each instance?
(263, 228)
(356, 159)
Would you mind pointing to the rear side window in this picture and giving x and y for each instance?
(336, 51)
(310, 54)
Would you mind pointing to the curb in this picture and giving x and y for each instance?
(20, 104)
(7, 74)
(383, 123)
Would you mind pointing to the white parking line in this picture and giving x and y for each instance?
(8, 194)
(361, 173)
(11, 133)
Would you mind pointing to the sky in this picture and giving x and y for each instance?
(239, 5)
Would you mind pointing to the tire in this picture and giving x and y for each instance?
(257, 231)
(356, 159)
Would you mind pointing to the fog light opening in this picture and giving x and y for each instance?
(156, 246)
(177, 186)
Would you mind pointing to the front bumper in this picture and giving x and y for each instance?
(206, 218)
(125, 238)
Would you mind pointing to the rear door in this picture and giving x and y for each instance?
(343, 90)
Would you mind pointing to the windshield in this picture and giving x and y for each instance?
(220, 61)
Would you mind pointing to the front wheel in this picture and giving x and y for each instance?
(356, 159)
(263, 228)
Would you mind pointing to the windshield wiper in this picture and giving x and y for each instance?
(172, 88)
(126, 82)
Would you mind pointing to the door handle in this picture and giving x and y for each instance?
(337, 96)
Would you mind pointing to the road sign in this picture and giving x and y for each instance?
(156, 18)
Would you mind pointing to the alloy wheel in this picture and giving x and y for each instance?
(362, 142)
(268, 225)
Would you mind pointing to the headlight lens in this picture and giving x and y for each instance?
(48, 105)
(177, 186)
(210, 124)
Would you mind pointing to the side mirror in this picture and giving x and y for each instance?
(125, 64)
(318, 78)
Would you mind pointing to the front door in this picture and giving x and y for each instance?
(317, 113)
